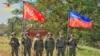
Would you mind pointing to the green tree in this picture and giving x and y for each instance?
(56, 11)
(56, 17)
(14, 25)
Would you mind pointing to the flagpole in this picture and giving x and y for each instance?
(23, 25)
(68, 29)
(23, 21)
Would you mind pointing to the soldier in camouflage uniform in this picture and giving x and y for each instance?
(61, 45)
(26, 41)
(39, 46)
(72, 46)
(14, 44)
(49, 45)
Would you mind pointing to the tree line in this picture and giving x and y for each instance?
(56, 17)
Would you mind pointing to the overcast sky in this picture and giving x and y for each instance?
(5, 14)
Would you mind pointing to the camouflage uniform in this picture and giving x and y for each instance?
(72, 47)
(14, 44)
(49, 46)
(38, 47)
(26, 41)
(61, 46)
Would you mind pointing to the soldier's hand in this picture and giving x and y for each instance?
(12, 41)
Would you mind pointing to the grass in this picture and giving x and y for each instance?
(4, 46)
(81, 50)
(88, 51)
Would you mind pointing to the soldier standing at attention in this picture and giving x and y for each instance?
(61, 45)
(26, 41)
(14, 44)
(72, 46)
(49, 45)
(38, 45)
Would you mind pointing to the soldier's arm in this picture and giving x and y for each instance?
(75, 43)
(64, 43)
(18, 43)
(69, 42)
(42, 44)
(30, 42)
(22, 41)
(45, 43)
(11, 41)
(35, 45)
(53, 43)
(57, 43)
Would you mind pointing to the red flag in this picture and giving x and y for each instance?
(31, 13)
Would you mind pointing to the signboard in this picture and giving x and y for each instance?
(33, 31)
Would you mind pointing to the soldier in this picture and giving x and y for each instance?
(26, 41)
(14, 44)
(72, 46)
(61, 45)
(49, 44)
(39, 46)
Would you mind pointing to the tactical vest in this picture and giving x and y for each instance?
(61, 43)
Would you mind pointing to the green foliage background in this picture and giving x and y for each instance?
(56, 16)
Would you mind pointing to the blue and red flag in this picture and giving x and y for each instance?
(77, 20)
